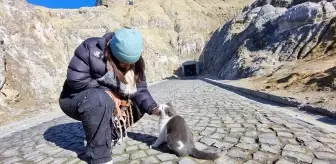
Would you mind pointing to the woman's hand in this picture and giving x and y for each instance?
(156, 111)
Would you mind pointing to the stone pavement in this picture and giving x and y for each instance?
(244, 130)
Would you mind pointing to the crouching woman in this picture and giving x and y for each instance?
(102, 71)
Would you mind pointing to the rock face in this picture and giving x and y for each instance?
(37, 43)
(267, 34)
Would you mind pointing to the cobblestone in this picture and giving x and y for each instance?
(152, 152)
(237, 130)
(73, 161)
(132, 142)
(280, 129)
(206, 133)
(149, 160)
(296, 148)
(271, 148)
(325, 156)
(317, 161)
(233, 125)
(65, 154)
(247, 140)
(228, 160)
(121, 158)
(291, 141)
(36, 157)
(332, 146)
(251, 147)
(143, 146)
(134, 162)
(251, 162)
(58, 160)
(217, 136)
(118, 149)
(131, 148)
(317, 146)
(267, 135)
(11, 160)
(305, 139)
(200, 146)
(285, 134)
(231, 139)
(223, 145)
(186, 161)
(207, 141)
(263, 156)
(138, 154)
(244, 130)
(270, 140)
(166, 157)
(238, 153)
(298, 157)
(52, 151)
(251, 134)
(283, 161)
(326, 140)
(47, 160)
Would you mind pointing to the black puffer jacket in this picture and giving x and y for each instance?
(88, 64)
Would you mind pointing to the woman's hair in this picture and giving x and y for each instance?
(112, 65)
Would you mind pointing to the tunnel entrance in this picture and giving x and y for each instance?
(190, 68)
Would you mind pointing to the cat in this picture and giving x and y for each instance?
(174, 130)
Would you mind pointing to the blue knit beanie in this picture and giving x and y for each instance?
(127, 45)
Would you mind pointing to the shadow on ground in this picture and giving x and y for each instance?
(328, 120)
(257, 99)
(69, 136)
(149, 139)
(181, 78)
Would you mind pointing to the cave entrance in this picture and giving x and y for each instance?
(190, 68)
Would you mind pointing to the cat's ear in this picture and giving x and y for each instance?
(170, 103)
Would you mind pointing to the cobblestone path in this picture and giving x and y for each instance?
(246, 131)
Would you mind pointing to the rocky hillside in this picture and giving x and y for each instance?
(278, 45)
(265, 35)
(37, 43)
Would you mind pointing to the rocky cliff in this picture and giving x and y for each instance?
(37, 43)
(270, 33)
(282, 47)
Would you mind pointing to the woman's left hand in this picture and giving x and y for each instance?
(156, 111)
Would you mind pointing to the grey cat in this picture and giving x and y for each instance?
(174, 130)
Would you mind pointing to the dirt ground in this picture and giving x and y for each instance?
(312, 82)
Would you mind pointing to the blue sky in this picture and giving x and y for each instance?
(69, 4)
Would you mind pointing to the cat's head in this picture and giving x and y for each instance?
(167, 110)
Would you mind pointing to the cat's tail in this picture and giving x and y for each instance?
(203, 155)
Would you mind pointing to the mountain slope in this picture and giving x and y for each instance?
(38, 43)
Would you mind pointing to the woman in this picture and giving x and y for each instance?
(98, 70)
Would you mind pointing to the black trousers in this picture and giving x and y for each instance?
(94, 108)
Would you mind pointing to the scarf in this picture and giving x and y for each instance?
(119, 88)
(123, 116)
